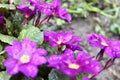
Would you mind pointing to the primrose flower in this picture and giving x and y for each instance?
(58, 39)
(97, 40)
(113, 50)
(110, 47)
(24, 57)
(68, 64)
(26, 10)
(2, 21)
(55, 9)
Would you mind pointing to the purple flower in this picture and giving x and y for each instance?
(113, 50)
(68, 64)
(97, 40)
(2, 20)
(58, 39)
(111, 47)
(24, 57)
(55, 9)
(25, 9)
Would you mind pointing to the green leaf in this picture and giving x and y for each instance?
(59, 22)
(7, 39)
(115, 27)
(57, 75)
(33, 33)
(18, 2)
(9, 26)
(4, 75)
(8, 6)
(1, 46)
(4, 1)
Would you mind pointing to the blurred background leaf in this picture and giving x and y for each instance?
(4, 75)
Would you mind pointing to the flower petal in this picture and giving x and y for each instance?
(38, 60)
(11, 66)
(29, 70)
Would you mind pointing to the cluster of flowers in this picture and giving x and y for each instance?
(25, 57)
(51, 9)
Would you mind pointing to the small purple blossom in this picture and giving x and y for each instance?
(24, 57)
(113, 50)
(68, 64)
(55, 9)
(110, 47)
(26, 10)
(58, 39)
(97, 40)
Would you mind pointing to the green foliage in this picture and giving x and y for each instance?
(33, 33)
(7, 39)
(4, 75)
(57, 75)
(7, 6)
(9, 26)
(115, 27)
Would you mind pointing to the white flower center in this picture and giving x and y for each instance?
(104, 44)
(25, 58)
(58, 42)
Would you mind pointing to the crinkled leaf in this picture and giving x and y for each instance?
(9, 26)
(4, 75)
(33, 33)
(8, 6)
(7, 39)
(57, 75)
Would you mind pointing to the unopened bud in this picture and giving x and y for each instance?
(109, 63)
(100, 55)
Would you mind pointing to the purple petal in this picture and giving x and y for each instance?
(54, 61)
(86, 78)
(11, 66)
(14, 49)
(26, 10)
(41, 52)
(29, 46)
(2, 21)
(63, 14)
(29, 70)
(38, 60)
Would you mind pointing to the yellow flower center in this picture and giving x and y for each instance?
(73, 66)
(58, 42)
(54, 14)
(25, 58)
(104, 44)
